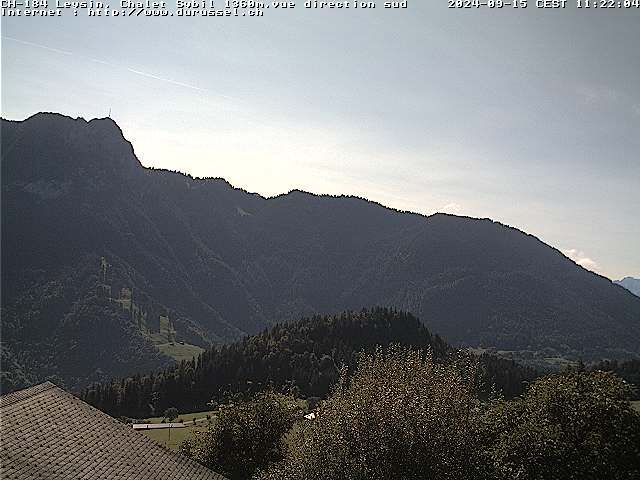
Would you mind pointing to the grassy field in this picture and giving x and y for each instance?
(636, 405)
(530, 358)
(179, 351)
(173, 437)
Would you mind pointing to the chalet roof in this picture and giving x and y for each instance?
(47, 433)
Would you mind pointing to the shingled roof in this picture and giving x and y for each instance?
(47, 433)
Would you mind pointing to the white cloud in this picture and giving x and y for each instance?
(453, 208)
(597, 94)
(581, 259)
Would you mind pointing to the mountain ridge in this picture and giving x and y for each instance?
(221, 262)
(630, 283)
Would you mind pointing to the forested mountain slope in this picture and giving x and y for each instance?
(304, 356)
(199, 261)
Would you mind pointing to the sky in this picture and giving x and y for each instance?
(530, 117)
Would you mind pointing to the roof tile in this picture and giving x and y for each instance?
(49, 434)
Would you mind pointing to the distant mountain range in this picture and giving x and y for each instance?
(107, 266)
(631, 284)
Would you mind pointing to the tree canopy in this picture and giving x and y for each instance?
(305, 356)
(576, 426)
(400, 414)
(246, 436)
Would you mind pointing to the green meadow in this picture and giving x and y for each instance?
(180, 351)
(173, 437)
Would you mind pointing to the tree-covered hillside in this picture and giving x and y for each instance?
(304, 356)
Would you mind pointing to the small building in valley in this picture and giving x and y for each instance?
(47, 433)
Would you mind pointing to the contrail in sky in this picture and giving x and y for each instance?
(132, 70)
(37, 45)
(168, 80)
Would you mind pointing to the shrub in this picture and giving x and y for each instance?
(171, 414)
(247, 435)
(575, 426)
(399, 415)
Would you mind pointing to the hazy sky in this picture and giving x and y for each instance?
(529, 117)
